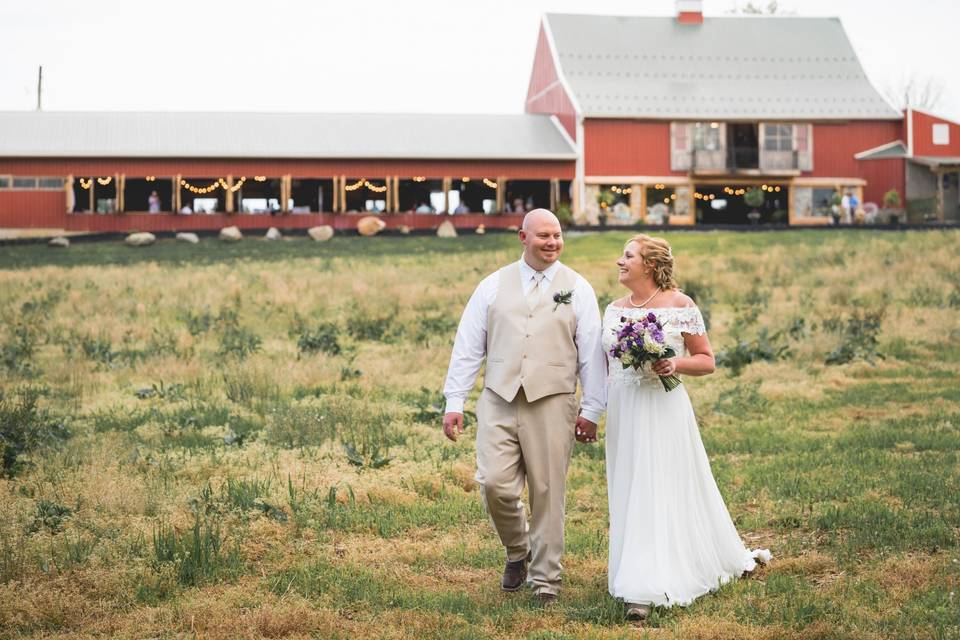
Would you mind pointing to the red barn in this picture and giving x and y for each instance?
(676, 119)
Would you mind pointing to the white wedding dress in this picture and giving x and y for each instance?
(671, 537)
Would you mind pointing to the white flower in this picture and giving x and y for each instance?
(652, 346)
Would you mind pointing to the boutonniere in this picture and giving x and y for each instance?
(562, 297)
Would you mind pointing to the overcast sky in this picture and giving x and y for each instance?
(445, 56)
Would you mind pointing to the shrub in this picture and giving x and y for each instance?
(441, 326)
(362, 326)
(859, 338)
(25, 427)
(766, 347)
(325, 337)
(891, 199)
(197, 555)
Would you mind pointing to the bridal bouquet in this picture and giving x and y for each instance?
(641, 341)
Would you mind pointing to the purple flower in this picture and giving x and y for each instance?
(651, 317)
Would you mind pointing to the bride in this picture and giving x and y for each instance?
(671, 537)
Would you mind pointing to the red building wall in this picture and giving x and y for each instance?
(923, 136)
(546, 93)
(24, 209)
(614, 147)
(834, 146)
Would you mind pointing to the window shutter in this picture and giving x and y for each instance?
(802, 144)
(681, 145)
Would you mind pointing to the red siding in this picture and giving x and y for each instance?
(923, 136)
(23, 209)
(138, 167)
(627, 148)
(546, 94)
(834, 146)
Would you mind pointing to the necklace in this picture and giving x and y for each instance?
(634, 304)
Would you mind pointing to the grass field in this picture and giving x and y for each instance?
(225, 441)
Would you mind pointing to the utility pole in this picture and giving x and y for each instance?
(39, 87)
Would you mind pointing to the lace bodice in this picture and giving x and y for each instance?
(676, 321)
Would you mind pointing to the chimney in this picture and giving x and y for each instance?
(690, 11)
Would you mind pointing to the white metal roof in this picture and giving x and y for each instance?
(744, 67)
(282, 135)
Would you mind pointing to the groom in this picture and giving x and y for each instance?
(537, 323)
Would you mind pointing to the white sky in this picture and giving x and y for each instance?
(432, 56)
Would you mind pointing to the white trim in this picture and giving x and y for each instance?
(7, 153)
(909, 132)
(672, 180)
(581, 166)
(882, 147)
(542, 92)
(559, 67)
(563, 131)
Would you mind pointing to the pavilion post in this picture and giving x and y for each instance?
(941, 200)
(343, 194)
(396, 193)
(121, 192)
(554, 194)
(637, 196)
(388, 208)
(228, 195)
(176, 193)
(92, 197)
(575, 197)
(335, 196)
(501, 192)
(447, 183)
(68, 193)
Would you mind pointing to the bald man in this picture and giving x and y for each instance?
(537, 324)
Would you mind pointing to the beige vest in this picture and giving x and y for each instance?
(536, 349)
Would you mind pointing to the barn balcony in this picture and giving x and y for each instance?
(741, 148)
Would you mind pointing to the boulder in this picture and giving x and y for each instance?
(370, 225)
(481, 230)
(185, 236)
(446, 230)
(513, 227)
(231, 234)
(141, 239)
(320, 234)
(404, 229)
(59, 241)
(273, 234)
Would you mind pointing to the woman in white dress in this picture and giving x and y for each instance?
(671, 537)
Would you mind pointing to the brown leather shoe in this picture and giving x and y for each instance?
(546, 599)
(514, 574)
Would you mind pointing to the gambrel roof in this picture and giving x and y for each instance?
(743, 67)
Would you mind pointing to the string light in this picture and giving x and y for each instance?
(260, 178)
(419, 178)
(621, 190)
(490, 183)
(213, 186)
(375, 188)
(105, 181)
(151, 178)
(356, 185)
(86, 184)
(236, 186)
(659, 186)
(465, 179)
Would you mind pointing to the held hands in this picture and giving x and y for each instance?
(585, 431)
(665, 367)
(452, 425)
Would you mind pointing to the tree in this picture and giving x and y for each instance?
(916, 91)
(756, 8)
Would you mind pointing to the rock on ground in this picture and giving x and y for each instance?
(322, 233)
(231, 234)
(185, 236)
(59, 241)
(141, 239)
(446, 230)
(370, 225)
(273, 234)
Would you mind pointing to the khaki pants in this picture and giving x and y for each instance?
(527, 441)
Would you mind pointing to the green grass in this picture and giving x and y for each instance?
(219, 440)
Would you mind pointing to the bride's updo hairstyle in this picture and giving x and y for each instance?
(656, 254)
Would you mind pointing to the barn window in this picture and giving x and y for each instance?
(941, 134)
(778, 137)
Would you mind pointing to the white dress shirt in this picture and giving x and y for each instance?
(470, 345)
